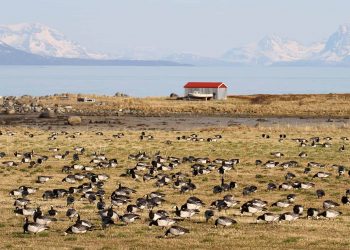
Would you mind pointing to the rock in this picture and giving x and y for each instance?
(74, 120)
(47, 114)
(173, 95)
(10, 111)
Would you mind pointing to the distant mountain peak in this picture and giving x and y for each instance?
(42, 40)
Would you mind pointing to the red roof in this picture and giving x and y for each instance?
(190, 85)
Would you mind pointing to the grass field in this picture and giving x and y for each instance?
(329, 105)
(240, 142)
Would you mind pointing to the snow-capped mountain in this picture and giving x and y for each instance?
(42, 40)
(337, 47)
(271, 49)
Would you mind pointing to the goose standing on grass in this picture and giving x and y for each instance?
(52, 212)
(208, 214)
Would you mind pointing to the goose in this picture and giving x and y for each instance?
(277, 154)
(188, 213)
(281, 203)
(271, 186)
(307, 170)
(69, 179)
(291, 198)
(330, 204)
(321, 175)
(315, 164)
(271, 164)
(129, 218)
(84, 223)
(101, 204)
(52, 211)
(342, 148)
(268, 217)
(250, 208)
(224, 221)
(345, 200)
(42, 220)
(24, 211)
(289, 217)
(331, 214)
(2, 155)
(289, 176)
(71, 213)
(70, 200)
(42, 178)
(320, 193)
(157, 215)
(306, 185)
(162, 222)
(249, 190)
(208, 214)
(312, 213)
(109, 213)
(131, 208)
(176, 231)
(10, 164)
(76, 229)
(302, 154)
(298, 209)
(33, 227)
(341, 170)
(21, 202)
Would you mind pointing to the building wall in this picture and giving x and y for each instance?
(219, 93)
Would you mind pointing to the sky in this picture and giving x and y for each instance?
(204, 27)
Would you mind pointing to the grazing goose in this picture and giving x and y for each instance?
(188, 213)
(71, 213)
(321, 175)
(208, 214)
(320, 193)
(157, 215)
(312, 213)
(129, 218)
(277, 154)
(24, 211)
(330, 204)
(281, 203)
(42, 179)
(298, 209)
(285, 186)
(176, 231)
(268, 217)
(302, 154)
(345, 200)
(251, 208)
(32, 227)
(271, 164)
(21, 202)
(162, 222)
(76, 229)
(330, 214)
(289, 217)
(224, 221)
(249, 190)
(291, 197)
(271, 186)
(109, 213)
(70, 200)
(84, 223)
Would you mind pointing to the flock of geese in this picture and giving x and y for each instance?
(85, 182)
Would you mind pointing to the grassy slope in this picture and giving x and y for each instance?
(244, 143)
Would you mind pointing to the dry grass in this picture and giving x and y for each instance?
(241, 142)
(330, 105)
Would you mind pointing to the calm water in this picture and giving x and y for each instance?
(161, 81)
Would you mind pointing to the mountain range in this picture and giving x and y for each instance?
(38, 44)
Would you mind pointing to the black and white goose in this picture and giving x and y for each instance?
(186, 213)
(289, 217)
(268, 217)
(129, 218)
(24, 211)
(162, 222)
(33, 227)
(330, 204)
(176, 231)
(224, 221)
(330, 214)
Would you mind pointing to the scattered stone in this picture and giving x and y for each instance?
(47, 114)
(74, 120)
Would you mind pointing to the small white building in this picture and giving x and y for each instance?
(218, 90)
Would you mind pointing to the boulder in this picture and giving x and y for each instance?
(74, 120)
(47, 114)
